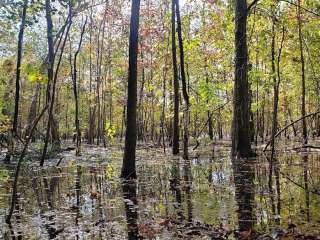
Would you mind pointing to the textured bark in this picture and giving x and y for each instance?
(129, 158)
(240, 125)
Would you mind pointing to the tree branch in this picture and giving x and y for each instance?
(305, 9)
(288, 125)
(254, 2)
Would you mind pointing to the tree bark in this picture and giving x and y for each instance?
(129, 158)
(52, 79)
(184, 86)
(240, 126)
(303, 81)
(19, 58)
(175, 138)
(75, 91)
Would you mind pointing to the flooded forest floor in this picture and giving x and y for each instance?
(204, 198)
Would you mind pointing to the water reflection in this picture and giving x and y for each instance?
(175, 186)
(88, 201)
(245, 192)
(187, 187)
(306, 185)
(129, 188)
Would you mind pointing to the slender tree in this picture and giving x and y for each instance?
(175, 138)
(303, 78)
(184, 85)
(19, 58)
(75, 91)
(50, 74)
(129, 158)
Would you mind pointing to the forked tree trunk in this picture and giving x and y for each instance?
(52, 79)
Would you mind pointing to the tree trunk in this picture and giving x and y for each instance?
(91, 117)
(303, 81)
(240, 125)
(175, 138)
(52, 79)
(32, 111)
(75, 92)
(184, 86)
(129, 158)
(19, 56)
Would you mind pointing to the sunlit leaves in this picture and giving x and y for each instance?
(34, 72)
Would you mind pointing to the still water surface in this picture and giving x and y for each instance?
(83, 198)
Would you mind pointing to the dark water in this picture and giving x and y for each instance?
(172, 199)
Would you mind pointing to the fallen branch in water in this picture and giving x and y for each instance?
(287, 126)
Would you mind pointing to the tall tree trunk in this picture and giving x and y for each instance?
(19, 58)
(100, 49)
(129, 158)
(175, 138)
(303, 81)
(91, 117)
(240, 126)
(75, 91)
(50, 75)
(52, 79)
(184, 86)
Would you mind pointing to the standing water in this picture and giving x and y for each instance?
(204, 198)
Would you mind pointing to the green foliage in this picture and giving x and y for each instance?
(110, 131)
(110, 172)
(34, 72)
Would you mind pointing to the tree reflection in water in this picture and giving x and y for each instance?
(175, 186)
(129, 188)
(243, 170)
